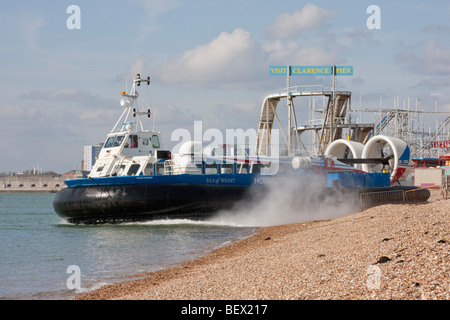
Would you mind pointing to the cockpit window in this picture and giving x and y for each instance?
(155, 141)
(132, 141)
(113, 141)
(118, 141)
(109, 142)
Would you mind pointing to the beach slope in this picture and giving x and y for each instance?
(385, 252)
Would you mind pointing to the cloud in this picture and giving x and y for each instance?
(294, 54)
(70, 95)
(434, 83)
(289, 25)
(168, 114)
(357, 81)
(429, 59)
(233, 59)
(59, 95)
(30, 25)
(156, 8)
(42, 136)
(83, 108)
(235, 115)
(153, 9)
(139, 65)
(11, 113)
(438, 29)
(50, 128)
(229, 58)
(357, 37)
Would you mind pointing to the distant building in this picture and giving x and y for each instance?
(89, 156)
(32, 183)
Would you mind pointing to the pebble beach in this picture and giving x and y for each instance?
(388, 252)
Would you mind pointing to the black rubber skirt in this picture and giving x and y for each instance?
(117, 203)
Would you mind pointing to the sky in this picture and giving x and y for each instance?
(208, 60)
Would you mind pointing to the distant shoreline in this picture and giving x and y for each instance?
(27, 191)
(34, 183)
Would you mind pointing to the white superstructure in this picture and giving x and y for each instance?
(129, 149)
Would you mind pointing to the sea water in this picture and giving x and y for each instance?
(38, 249)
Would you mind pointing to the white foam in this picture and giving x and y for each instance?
(288, 199)
(206, 222)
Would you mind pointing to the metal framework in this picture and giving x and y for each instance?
(337, 121)
(413, 126)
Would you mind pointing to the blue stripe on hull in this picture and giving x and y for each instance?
(223, 179)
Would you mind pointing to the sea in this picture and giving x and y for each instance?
(42, 257)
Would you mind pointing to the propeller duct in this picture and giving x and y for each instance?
(395, 157)
(345, 149)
